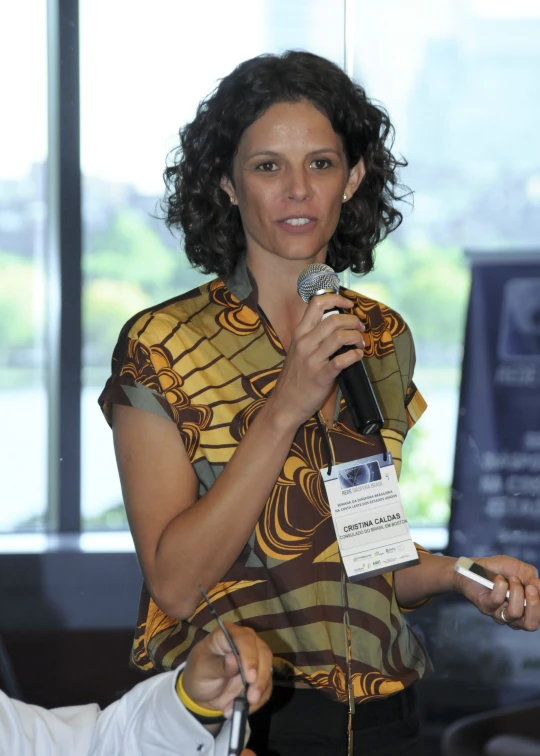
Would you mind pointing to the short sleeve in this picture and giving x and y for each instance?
(134, 380)
(415, 404)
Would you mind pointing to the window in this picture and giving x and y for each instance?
(459, 80)
(23, 151)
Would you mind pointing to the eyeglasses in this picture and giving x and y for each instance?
(240, 704)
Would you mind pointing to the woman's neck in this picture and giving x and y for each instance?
(278, 296)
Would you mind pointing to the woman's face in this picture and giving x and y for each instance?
(289, 177)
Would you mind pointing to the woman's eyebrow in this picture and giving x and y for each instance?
(262, 153)
(272, 153)
(326, 150)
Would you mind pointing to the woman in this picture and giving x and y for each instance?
(225, 407)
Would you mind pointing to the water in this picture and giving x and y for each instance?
(23, 469)
(23, 439)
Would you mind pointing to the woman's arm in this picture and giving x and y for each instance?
(432, 577)
(182, 541)
(435, 575)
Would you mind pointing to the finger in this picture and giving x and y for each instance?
(222, 661)
(534, 581)
(207, 660)
(336, 365)
(230, 665)
(327, 351)
(246, 642)
(263, 679)
(329, 348)
(340, 321)
(531, 620)
(218, 643)
(318, 306)
(263, 698)
(527, 573)
(497, 597)
(515, 608)
(325, 355)
(507, 566)
(306, 343)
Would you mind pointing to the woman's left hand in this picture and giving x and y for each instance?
(520, 578)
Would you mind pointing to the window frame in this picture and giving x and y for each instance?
(64, 274)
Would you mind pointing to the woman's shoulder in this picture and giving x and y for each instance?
(154, 323)
(375, 315)
(387, 334)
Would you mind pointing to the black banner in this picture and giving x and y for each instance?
(496, 489)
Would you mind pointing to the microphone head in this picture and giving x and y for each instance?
(317, 278)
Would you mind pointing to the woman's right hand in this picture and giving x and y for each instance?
(309, 372)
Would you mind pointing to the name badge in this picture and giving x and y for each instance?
(372, 530)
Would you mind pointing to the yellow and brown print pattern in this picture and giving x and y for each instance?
(208, 361)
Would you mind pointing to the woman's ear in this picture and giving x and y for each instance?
(356, 174)
(228, 188)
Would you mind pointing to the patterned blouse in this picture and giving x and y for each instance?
(208, 360)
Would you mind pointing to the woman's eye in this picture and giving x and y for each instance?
(267, 167)
(321, 163)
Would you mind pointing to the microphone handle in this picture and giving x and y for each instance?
(359, 395)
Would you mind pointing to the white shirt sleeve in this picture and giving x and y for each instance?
(150, 720)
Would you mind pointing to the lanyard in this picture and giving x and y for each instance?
(327, 441)
(331, 460)
(348, 646)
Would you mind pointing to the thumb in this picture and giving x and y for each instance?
(230, 665)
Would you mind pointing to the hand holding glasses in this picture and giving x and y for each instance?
(240, 704)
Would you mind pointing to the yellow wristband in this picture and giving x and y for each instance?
(202, 714)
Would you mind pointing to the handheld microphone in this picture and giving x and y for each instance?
(314, 281)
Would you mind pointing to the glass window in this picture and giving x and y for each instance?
(460, 82)
(142, 76)
(23, 151)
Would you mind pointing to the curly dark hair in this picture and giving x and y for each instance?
(196, 204)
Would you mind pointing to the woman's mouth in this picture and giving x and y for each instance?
(298, 224)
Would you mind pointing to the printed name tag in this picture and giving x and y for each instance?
(372, 530)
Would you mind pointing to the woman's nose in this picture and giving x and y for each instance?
(298, 187)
